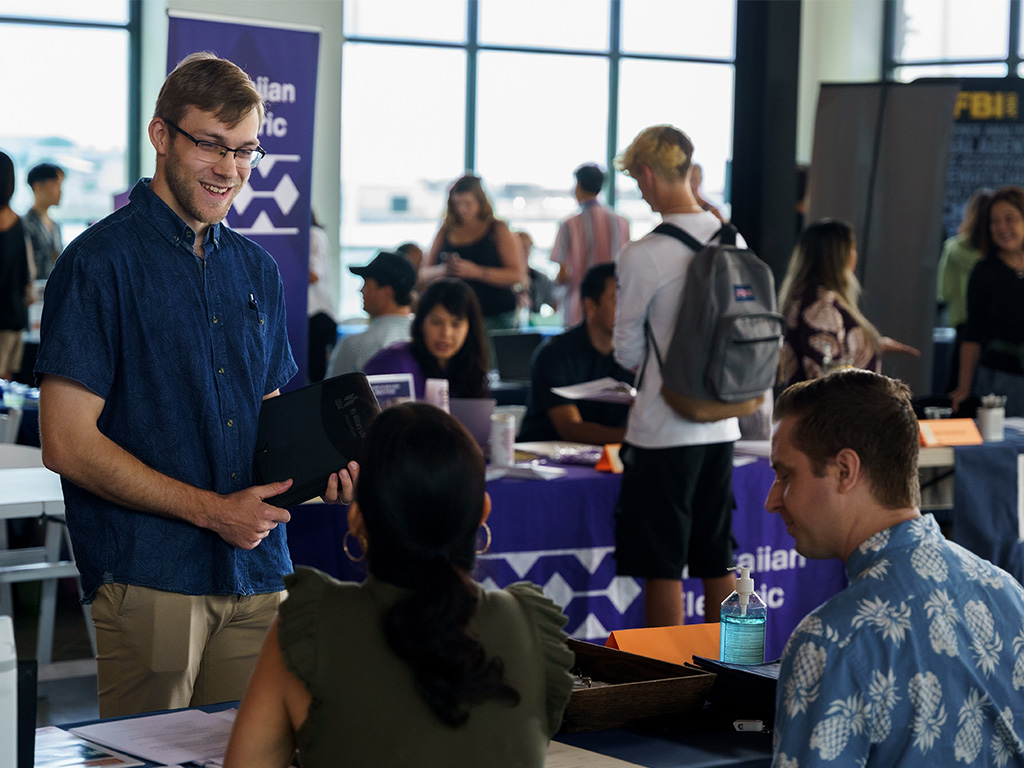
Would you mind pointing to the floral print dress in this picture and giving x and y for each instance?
(822, 335)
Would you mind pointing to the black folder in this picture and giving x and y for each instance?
(308, 433)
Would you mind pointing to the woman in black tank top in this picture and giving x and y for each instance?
(15, 276)
(475, 246)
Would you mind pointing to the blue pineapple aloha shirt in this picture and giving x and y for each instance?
(920, 661)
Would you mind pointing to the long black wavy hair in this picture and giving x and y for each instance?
(421, 493)
(467, 370)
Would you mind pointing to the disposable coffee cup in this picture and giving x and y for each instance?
(435, 392)
(990, 424)
(503, 437)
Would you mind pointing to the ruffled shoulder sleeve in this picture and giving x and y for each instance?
(299, 621)
(548, 620)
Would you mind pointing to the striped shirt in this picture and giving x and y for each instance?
(592, 236)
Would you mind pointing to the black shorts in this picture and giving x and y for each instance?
(674, 510)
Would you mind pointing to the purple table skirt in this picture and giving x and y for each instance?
(560, 534)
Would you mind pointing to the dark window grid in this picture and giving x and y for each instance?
(890, 63)
(134, 29)
(614, 54)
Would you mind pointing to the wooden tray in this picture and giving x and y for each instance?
(639, 689)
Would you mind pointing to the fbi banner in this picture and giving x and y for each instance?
(274, 207)
(987, 145)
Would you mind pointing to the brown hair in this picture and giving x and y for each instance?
(1012, 195)
(866, 412)
(210, 84)
(975, 221)
(472, 184)
(822, 257)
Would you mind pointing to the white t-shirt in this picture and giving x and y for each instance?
(318, 298)
(650, 273)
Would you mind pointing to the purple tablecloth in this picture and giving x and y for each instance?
(560, 534)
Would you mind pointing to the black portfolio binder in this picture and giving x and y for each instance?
(311, 432)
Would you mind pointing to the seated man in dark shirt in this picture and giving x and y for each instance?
(583, 353)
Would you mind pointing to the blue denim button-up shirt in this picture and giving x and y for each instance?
(182, 350)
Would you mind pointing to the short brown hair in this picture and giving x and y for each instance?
(210, 84)
(866, 412)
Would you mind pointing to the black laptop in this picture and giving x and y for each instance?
(513, 352)
(308, 433)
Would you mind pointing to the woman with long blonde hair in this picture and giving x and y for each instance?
(825, 329)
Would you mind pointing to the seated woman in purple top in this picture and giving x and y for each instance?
(448, 342)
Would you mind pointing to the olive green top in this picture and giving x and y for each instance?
(955, 265)
(366, 710)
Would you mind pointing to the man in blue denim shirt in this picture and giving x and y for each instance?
(162, 333)
(920, 660)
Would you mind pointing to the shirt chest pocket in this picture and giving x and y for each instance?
(254, 328)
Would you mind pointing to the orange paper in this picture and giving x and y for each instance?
(610, 461)
(949, 432)
(673, 644)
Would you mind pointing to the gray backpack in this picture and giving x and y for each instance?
(724, 353)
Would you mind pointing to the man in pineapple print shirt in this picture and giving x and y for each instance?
(920, 660)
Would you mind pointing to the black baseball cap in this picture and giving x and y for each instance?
(389, 268)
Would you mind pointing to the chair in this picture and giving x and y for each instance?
(25, 466)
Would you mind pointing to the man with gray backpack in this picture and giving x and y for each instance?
(718, 351)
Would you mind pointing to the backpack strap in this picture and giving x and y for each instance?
(726, 235)
(679, 234)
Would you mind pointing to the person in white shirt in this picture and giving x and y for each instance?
(323, 329)
(675, 507)
(388, 282)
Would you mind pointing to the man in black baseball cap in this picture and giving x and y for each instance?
(388, 281)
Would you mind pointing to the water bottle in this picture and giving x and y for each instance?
(744, 617)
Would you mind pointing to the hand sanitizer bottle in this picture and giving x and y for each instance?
(744, 616)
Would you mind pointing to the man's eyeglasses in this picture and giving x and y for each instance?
(212, 152)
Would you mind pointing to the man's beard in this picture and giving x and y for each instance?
(183, 187)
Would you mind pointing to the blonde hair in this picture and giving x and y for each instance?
(664, 148)
(822, 257)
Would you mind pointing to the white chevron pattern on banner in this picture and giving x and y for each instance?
(591, 629)
(269, 161)
(521, 562)
(264, 226)
(285, 194)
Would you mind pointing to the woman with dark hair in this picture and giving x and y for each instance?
(418, 665)
(15, 276)
(448, 342)
(825, 329)
(476, 247)
(992, 352)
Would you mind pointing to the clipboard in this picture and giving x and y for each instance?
(308, 433)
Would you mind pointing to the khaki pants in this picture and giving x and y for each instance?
(162, 650)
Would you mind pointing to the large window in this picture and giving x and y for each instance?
(66, 95)
(520, 92)
(955, 38)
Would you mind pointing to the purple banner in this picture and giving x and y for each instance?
(273, 209)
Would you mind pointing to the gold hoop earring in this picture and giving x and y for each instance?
(348, 554)
(487, 542)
